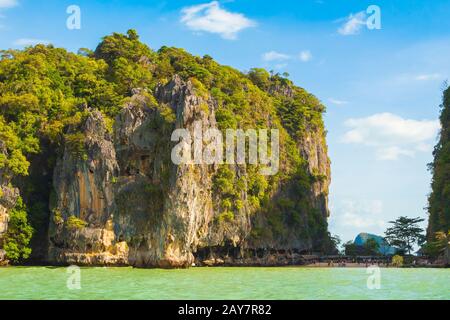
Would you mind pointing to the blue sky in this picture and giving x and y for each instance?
(382, 87)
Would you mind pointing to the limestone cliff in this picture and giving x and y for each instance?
(89, 146)
(81, 229)
(439, 199)
(134, 206)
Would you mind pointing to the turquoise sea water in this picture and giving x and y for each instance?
(223, 283)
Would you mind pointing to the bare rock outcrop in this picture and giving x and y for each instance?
(171, 204)
(81, 229)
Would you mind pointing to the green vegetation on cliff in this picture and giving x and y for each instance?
(18, 236)
(438, 232)
(439, 200)
(44, 91)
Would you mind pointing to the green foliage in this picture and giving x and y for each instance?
(405, 233)
(335, 240)
(75, 223)
(227, 204)
(260, 77)
(14, 161)
(223, 181)
(300, 112)
(167, 114)
(350, 248)
(226, 216)
(397, 261)
(75, 143)
(371, 246)
(257, 185)
(317, 177)
(276, 223)
(225, 119)
(57, 217)
(199, 89)
(43, 91)
(18, 236)
(238, 204)
(128, 59)
(438, 245)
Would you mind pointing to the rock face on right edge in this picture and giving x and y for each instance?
(439, 199)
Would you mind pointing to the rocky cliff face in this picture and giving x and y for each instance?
(162, 209)
(123, 201)
(8, 198)
(89, 147)
(81, 229)
(313, 148)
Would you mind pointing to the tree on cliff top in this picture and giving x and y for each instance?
(128, 59)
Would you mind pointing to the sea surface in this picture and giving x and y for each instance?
(223, 283)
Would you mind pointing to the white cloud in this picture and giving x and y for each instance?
(5, 4)
(350, 216)
(337, 102)
(362, 215)
(427, 77)
(210, 17)
(24, 42)
(305, 56)
(414, 78)
(393, 153)
(391, 135)
(8, 3)
(275, 56)
(353, 24)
